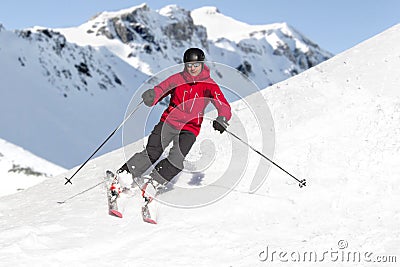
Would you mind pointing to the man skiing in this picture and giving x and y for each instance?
(190, 90)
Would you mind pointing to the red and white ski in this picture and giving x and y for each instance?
(113, 191)
(149, 207)
(146, 214)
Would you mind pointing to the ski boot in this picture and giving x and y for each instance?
(115, 189)
(125, 179)
(150, 188)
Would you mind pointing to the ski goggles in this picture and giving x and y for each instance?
(189, 65)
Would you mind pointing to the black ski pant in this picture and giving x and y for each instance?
(166, 169)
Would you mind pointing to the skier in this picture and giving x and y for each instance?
(190, 90)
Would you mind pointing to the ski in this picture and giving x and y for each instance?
(147, 217)
(149, 207)
(113, 191)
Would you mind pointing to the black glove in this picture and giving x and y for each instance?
(220, 124)
(148, 97)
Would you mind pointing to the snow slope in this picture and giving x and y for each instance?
(20, 169)
(337, 125)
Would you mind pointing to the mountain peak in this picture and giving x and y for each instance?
(217, 24)
(210, 10)
(123, 12)
(175, 12)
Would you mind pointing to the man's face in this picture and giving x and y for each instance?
(194, 68)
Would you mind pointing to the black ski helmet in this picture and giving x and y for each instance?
(193, 54)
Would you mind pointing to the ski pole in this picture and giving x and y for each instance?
(301, 182)
(105, 141)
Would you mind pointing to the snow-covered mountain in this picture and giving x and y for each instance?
(154, 39)
(337, 125)
(20, 169)
(64, 90)
(58, 99)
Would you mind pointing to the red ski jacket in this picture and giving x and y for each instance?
(190, 95)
